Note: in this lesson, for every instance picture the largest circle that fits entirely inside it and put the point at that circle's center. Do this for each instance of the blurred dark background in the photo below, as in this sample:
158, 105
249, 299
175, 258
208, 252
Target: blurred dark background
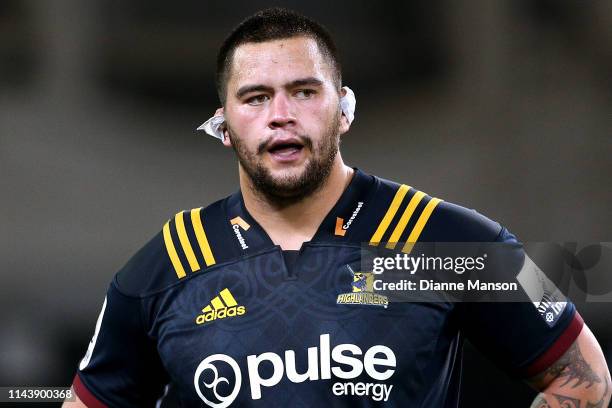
502, 106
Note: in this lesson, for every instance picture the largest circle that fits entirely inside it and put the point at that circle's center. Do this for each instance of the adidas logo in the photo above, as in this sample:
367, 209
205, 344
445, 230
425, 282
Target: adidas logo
222, 306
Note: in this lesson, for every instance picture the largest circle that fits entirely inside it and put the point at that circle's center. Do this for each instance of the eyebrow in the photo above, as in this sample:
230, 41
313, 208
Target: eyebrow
312, 81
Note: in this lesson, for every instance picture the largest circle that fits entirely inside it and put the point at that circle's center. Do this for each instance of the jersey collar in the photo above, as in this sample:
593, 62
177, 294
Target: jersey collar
341, 224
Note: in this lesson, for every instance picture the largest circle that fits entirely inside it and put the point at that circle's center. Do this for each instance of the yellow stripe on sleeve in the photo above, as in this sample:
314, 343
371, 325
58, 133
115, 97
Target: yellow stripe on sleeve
182, 233
201, 237
418, 228
178, 268
401, 225
384, 224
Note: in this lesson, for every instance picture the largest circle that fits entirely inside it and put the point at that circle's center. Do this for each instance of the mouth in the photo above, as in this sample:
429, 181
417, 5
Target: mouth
285, 149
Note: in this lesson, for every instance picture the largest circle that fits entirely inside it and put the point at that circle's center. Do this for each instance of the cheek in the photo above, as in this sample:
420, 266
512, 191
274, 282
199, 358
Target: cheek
313, 114
243, 119
324, 118
243, 125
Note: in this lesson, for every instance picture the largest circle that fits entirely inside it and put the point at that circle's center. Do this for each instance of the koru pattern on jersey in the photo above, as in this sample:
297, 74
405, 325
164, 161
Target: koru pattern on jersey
215, 312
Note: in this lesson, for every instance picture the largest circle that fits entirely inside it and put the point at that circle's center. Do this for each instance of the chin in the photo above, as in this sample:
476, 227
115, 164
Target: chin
288, 179
287, 171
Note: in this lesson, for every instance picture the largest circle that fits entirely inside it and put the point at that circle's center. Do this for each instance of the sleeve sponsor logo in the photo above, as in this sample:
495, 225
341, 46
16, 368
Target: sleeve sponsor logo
550, 308
546, 297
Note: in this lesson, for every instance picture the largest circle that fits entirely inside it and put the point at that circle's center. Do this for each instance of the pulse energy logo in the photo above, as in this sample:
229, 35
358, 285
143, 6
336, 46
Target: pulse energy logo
218, 377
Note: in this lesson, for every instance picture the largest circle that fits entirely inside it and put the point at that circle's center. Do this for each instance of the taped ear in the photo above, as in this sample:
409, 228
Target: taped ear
215, 126
348, 103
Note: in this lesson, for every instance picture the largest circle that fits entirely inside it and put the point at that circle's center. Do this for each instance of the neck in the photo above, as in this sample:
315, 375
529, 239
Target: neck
291, 225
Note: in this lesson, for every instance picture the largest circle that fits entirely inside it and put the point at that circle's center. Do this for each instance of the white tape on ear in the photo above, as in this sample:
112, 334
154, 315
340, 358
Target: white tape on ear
348, 103
214, 125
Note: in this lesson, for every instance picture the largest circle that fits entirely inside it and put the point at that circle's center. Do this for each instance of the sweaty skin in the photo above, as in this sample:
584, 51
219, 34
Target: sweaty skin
579, 379
284, 90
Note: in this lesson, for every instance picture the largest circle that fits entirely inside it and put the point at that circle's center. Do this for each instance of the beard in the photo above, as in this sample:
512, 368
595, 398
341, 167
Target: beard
288, 189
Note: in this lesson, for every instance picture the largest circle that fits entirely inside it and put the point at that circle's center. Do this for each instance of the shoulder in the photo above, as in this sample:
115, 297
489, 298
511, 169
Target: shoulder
452, 222
408, 214
183, 246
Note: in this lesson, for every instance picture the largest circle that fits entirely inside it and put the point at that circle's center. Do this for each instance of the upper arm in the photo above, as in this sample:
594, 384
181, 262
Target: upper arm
517, 337
527, 336
581, 374
121, 366
76, 403
582, 364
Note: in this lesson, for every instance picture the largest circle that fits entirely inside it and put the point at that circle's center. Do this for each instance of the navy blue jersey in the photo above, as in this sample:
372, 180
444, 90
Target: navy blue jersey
213, 310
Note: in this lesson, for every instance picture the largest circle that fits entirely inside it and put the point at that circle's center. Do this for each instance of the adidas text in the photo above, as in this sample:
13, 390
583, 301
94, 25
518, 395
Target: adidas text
221, 314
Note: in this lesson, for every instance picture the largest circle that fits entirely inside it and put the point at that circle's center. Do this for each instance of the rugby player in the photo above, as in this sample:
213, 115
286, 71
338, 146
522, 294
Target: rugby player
236, 303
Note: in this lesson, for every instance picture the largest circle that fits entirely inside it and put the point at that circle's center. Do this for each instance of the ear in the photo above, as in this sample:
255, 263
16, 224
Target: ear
344, 123
226, 140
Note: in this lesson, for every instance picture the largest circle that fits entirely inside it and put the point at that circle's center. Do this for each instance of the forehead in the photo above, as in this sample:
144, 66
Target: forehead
277, 61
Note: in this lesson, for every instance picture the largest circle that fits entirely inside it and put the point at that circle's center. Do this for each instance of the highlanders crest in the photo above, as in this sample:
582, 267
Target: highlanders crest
362, 291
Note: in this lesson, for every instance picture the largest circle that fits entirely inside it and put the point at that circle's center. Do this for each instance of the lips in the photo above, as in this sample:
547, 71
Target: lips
285, 149
285, 145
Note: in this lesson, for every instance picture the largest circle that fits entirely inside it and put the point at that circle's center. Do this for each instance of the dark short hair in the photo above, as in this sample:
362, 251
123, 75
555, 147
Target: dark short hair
274, 24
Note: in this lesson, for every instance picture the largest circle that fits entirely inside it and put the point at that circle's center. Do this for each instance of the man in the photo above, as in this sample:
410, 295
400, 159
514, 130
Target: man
238, 303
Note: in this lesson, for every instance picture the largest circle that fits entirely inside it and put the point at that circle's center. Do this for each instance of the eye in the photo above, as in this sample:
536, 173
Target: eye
305, 93
257, 100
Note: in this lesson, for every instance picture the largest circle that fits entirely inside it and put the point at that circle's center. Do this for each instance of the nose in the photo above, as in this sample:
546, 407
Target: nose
281, 112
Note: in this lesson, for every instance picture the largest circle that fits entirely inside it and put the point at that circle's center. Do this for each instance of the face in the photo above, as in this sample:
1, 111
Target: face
283, 116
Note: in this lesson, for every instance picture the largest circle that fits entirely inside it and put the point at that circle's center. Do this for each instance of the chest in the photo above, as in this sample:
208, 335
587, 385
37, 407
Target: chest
303, 324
